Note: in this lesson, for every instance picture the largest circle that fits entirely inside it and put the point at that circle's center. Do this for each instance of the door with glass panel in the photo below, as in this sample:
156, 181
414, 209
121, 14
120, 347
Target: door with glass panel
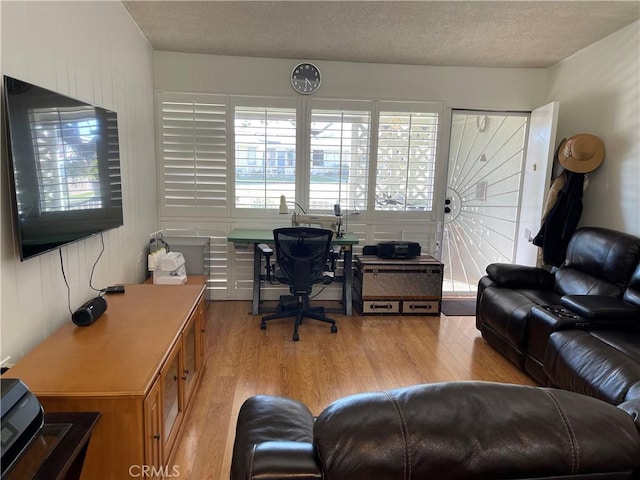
484, 191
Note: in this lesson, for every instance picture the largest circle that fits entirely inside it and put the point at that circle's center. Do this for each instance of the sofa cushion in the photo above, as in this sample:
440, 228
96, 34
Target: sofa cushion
572, 281
602, 364
470, 430
604, 254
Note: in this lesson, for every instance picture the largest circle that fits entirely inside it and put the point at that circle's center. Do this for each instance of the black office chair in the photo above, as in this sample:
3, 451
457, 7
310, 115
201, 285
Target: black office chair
302, 253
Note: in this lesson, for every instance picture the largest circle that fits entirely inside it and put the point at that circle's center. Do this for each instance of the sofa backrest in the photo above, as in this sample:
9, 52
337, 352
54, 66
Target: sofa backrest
469, 430
599, 261
632, 293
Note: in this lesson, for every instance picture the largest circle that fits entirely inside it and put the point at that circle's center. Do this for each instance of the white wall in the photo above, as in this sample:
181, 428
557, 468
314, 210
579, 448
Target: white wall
458, 87
599, 92
94, 52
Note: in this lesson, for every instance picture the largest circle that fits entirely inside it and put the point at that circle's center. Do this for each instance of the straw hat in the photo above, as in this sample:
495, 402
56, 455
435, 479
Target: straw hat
581, 153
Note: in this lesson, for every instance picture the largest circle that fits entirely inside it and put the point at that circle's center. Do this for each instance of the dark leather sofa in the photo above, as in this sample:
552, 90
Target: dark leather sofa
536, 318
455, 430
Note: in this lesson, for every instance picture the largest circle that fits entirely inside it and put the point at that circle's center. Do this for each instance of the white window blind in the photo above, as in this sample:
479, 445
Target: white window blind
406, 162
194, 150
265, 156
339, 143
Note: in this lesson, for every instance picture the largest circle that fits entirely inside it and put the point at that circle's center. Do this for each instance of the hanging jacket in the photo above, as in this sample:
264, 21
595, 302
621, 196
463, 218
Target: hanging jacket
561, 221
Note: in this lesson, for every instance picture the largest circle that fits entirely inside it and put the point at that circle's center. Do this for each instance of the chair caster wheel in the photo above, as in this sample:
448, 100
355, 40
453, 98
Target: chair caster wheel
334, 329
263, 325
296, 337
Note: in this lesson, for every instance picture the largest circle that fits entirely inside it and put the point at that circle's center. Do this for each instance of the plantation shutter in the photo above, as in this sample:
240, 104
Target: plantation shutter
265, 156
339, 144
406, 162
193, 132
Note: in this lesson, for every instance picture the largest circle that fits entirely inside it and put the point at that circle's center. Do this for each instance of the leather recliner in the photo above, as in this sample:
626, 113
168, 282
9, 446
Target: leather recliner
598, 262
455, 430
602, 361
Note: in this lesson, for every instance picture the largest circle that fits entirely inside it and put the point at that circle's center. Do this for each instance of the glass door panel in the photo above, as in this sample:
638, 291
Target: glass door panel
484, 184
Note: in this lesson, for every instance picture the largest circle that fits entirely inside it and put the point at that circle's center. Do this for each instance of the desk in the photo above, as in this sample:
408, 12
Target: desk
59, 449
256, 237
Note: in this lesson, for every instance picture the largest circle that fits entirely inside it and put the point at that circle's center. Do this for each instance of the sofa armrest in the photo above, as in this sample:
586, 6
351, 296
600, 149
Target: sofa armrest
602, 308
519, 276
283, 460
266, 419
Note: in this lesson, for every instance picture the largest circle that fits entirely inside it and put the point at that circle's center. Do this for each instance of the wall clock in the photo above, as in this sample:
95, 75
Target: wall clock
305, 78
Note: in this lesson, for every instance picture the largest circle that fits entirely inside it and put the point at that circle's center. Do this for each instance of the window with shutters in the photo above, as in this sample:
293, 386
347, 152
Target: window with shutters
339, 144
406, 160
265, 156
193, 132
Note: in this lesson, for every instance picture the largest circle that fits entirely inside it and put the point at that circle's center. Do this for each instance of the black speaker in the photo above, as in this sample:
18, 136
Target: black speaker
396, 249
89, 312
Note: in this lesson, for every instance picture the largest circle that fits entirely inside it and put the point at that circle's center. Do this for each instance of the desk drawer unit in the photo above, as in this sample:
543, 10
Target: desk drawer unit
397, 287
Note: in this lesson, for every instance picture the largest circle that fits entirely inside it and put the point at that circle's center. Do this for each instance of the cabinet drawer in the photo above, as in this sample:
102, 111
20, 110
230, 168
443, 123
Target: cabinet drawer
421, 307
379, 306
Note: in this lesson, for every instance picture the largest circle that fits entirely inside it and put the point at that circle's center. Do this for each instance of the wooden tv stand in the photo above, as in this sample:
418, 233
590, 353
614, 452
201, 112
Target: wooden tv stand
139, 365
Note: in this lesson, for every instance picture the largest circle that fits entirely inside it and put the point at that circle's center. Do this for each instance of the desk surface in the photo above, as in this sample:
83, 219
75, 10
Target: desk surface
59, 445
257, 236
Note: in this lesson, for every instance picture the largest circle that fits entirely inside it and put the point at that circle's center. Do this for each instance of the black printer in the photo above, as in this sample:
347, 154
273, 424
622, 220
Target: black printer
22, 419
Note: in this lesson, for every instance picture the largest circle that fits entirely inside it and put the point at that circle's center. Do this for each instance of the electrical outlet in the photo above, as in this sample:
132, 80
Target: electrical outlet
527, 234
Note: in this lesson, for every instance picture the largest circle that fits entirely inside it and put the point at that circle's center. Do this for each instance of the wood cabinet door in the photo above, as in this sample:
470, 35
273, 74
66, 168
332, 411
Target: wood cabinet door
172, 398
153, 420
190, 351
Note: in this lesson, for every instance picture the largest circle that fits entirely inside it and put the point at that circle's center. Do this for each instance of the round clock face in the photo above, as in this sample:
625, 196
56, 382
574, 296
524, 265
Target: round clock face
305, 78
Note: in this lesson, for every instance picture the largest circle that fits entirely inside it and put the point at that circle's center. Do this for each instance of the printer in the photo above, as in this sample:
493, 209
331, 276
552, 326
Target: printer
22, 419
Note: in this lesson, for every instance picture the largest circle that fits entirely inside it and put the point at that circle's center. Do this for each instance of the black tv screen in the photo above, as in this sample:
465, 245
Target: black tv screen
64, 164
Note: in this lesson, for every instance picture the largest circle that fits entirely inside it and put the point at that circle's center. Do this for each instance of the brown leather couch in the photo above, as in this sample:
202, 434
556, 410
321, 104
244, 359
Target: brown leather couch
519, 308
455, 430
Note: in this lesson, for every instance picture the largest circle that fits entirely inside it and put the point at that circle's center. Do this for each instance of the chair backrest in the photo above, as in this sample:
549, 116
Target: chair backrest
301, 254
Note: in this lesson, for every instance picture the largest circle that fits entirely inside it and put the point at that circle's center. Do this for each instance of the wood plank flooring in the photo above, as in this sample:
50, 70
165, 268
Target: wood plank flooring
367, 354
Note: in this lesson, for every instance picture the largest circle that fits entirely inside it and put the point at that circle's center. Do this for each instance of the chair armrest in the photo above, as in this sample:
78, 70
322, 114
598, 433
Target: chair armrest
283, 460
602, 308
519, 276
267, 252
265, 249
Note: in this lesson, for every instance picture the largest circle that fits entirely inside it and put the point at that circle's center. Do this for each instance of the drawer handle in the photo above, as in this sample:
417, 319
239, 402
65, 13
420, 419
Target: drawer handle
156, 436
417, 307
175, 378
388, 306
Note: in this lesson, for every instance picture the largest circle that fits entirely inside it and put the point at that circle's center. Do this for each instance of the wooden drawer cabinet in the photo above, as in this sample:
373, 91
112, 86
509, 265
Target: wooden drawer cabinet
139, 365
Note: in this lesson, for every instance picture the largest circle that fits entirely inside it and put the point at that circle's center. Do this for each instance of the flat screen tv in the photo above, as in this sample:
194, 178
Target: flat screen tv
64, 165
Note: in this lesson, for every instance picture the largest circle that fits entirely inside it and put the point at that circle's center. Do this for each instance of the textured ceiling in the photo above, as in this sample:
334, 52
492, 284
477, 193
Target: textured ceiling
456, 33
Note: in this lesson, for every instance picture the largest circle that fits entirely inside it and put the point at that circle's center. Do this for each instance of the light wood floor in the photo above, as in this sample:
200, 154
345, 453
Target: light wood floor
367, 354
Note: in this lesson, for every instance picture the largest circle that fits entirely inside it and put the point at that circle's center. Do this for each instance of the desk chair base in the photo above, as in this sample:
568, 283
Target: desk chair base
301, 310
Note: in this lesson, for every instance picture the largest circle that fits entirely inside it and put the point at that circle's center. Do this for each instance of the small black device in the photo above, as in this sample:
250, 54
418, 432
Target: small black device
114, 289
89, 312
399, 249
22, 419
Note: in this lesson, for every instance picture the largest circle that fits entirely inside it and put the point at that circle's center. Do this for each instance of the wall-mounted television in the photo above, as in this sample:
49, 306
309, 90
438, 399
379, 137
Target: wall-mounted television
64, 165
